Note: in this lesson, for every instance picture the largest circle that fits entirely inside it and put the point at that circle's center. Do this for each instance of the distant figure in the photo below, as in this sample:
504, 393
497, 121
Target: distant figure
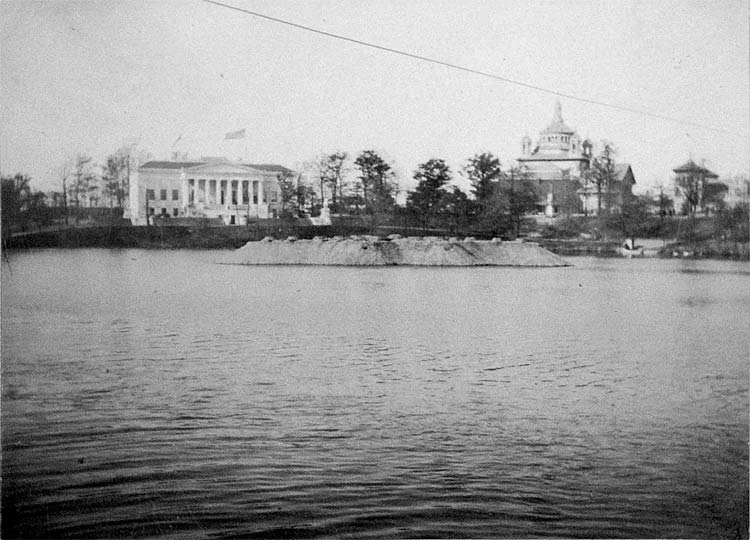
629, 249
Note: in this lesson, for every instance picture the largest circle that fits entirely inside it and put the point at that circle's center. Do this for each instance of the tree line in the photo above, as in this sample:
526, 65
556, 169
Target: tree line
363, 186
83, 185
498, 199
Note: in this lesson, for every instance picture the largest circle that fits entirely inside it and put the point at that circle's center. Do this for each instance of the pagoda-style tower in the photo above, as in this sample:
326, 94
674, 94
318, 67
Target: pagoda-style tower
691, 181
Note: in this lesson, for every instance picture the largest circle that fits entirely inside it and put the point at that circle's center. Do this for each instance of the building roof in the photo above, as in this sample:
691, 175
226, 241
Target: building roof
170, 164
267, 167
558, 125
621, 171
690, 167
558, 142
558, 156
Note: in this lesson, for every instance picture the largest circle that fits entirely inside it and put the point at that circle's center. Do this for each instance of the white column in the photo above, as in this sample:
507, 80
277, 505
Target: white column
184, 194
134, 197
264, 208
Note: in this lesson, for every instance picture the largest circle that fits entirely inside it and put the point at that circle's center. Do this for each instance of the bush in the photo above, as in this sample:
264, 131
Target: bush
733, 223
570, 227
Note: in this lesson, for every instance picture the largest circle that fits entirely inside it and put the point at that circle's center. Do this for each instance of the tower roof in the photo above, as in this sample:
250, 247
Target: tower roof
691, 167
558, 125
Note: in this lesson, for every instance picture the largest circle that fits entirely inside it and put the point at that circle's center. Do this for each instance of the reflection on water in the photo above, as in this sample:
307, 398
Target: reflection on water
155, 394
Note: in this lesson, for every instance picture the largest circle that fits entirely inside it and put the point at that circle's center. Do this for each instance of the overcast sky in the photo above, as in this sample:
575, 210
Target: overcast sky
88, 77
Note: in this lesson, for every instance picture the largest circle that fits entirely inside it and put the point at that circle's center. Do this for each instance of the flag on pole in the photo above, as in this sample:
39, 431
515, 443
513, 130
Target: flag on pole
235, 135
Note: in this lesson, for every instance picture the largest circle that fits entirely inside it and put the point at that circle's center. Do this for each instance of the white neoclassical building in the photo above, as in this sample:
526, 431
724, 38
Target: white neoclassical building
234, 192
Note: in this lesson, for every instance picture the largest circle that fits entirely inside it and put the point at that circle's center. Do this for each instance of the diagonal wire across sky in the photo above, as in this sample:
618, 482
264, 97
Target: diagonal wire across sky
465, 69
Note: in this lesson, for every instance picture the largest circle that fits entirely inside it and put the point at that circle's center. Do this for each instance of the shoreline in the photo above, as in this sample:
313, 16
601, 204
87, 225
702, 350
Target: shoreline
232, 238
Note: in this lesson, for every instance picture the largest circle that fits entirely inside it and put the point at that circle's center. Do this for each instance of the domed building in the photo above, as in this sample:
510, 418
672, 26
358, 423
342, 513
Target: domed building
558, 165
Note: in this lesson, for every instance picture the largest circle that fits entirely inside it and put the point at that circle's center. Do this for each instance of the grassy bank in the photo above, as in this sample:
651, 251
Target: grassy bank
222, 237
182, 237
708, 249
135, 237
580, 247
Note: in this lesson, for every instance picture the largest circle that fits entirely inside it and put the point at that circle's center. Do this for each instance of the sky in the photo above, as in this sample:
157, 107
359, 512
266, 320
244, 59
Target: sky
87, 77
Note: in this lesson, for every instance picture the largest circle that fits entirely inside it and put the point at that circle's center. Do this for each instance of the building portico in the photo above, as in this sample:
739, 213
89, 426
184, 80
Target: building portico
233, 192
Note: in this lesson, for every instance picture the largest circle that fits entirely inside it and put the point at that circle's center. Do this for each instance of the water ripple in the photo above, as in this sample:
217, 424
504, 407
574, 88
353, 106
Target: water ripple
439, 404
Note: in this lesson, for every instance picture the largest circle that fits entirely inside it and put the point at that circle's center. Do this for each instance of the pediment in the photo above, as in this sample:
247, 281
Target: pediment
219, 168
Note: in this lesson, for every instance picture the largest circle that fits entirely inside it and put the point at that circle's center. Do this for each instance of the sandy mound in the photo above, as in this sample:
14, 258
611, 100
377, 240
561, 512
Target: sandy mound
373, 251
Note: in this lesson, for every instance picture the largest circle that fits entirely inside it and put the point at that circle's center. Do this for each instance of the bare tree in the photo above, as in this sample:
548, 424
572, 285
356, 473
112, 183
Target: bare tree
64, 175
82, 185
691, 186
287, 191
114, 178
602, 174
132, 156
331, 171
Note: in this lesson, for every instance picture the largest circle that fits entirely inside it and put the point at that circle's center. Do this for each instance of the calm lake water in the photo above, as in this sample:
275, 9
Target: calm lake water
157, 394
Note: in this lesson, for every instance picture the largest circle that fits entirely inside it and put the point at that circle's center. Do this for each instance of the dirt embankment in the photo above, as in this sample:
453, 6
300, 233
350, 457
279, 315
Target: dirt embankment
373, 251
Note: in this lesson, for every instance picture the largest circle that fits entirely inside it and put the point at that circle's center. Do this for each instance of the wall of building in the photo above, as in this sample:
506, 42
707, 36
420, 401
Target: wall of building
235, 198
